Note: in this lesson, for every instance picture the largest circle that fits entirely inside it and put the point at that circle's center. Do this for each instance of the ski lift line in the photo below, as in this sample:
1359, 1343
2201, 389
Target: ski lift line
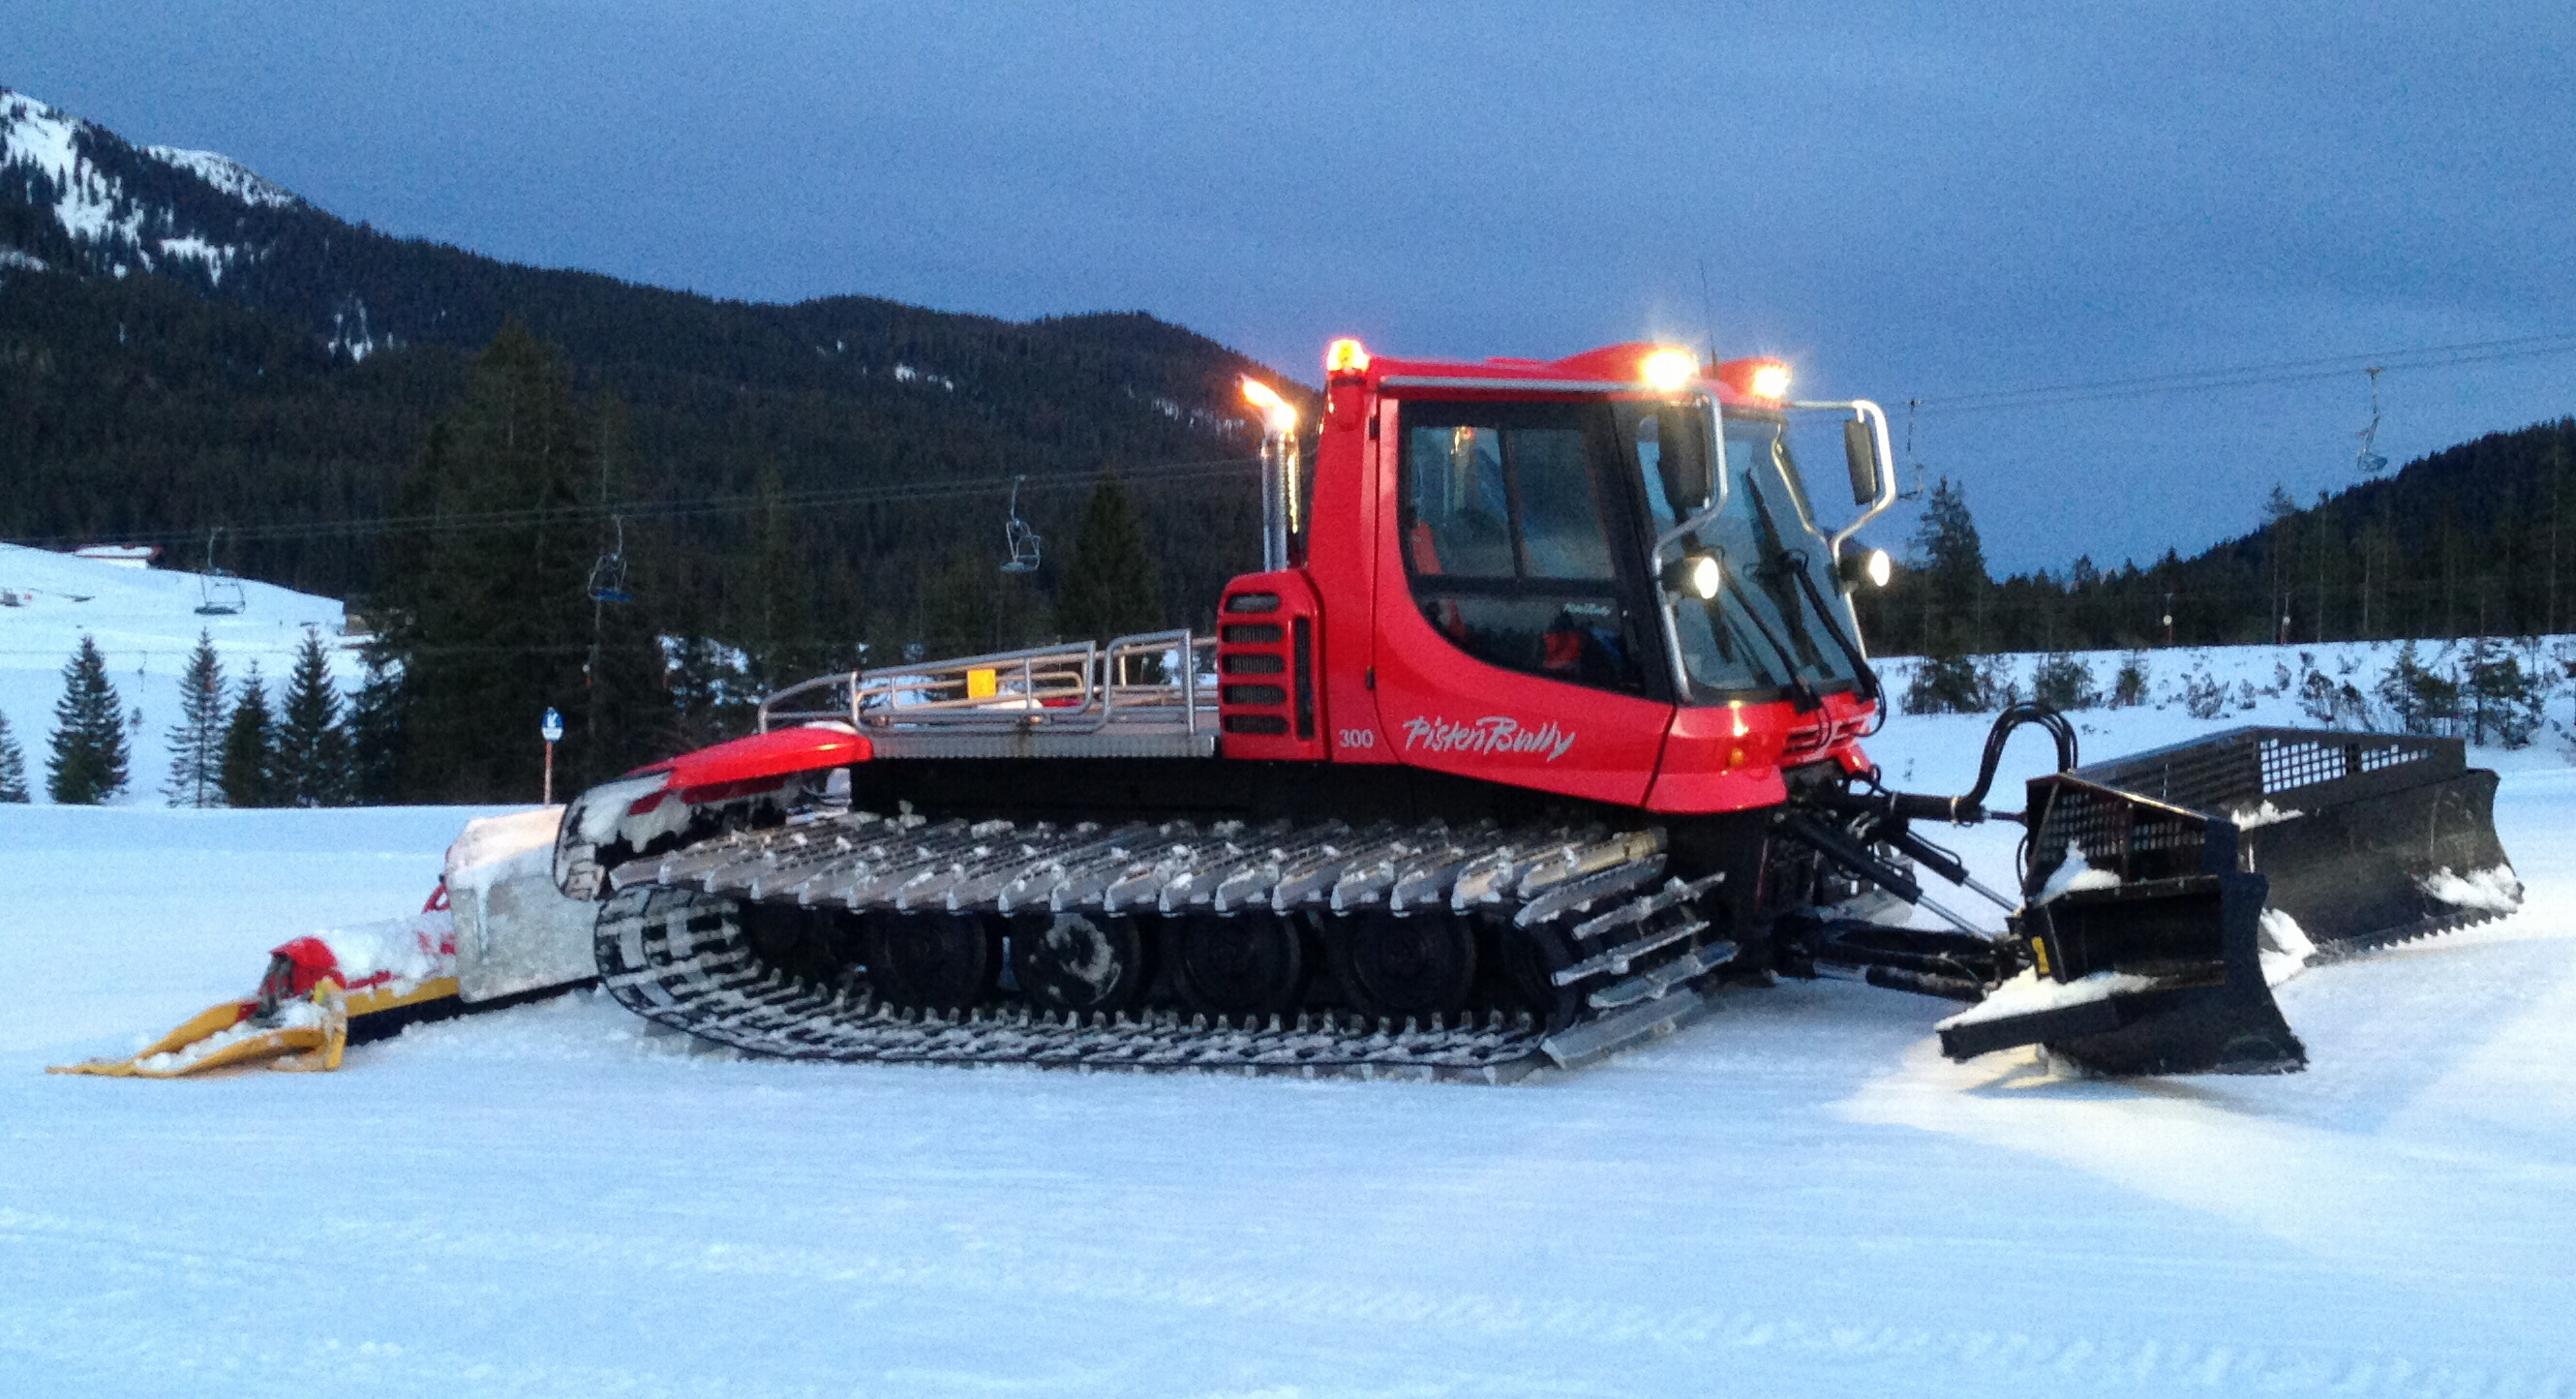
2247, 376
1178, 473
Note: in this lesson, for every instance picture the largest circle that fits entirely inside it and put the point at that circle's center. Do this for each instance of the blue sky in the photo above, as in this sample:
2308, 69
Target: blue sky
1906, 202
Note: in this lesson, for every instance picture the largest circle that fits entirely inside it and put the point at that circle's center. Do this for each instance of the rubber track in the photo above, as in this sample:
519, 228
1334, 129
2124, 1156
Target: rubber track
671, 947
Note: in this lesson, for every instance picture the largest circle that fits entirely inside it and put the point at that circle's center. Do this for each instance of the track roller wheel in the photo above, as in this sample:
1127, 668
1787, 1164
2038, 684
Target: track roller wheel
1423, 964
1530, 959
813, 943
940, 961
1250, 964
1079, 961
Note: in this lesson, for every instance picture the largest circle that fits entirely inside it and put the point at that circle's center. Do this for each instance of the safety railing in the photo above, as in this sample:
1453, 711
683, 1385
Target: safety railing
1161, 682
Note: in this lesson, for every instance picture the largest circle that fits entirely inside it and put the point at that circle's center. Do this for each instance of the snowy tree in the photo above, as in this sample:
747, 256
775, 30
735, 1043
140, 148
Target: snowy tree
197, 740
88, 762
13, 765
310, 766
250, 749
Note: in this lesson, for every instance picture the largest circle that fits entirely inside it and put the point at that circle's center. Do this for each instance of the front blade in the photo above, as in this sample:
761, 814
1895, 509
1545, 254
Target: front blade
2368, 839
2164, 977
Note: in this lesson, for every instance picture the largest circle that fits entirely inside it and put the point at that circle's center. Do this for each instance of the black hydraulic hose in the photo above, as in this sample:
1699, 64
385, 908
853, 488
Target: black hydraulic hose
1970, 807
2013, 717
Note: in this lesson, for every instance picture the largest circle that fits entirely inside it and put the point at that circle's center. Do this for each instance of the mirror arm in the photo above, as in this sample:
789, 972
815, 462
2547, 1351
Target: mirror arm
1876, 417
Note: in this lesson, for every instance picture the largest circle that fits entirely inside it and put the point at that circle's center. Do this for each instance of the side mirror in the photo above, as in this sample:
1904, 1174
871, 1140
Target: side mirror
1860, 449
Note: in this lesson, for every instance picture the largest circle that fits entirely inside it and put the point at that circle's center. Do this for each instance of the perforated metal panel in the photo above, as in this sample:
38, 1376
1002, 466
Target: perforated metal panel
2238, 770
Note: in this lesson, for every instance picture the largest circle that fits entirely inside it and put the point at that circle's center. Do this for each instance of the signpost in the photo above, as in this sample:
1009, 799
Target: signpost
552, 727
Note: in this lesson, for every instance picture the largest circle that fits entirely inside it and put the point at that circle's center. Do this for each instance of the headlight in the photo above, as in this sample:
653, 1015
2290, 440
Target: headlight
1694, 575
1669, 370
1874, 567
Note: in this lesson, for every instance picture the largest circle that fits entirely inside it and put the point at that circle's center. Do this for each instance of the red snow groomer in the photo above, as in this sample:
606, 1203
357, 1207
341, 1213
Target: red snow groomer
1539, 727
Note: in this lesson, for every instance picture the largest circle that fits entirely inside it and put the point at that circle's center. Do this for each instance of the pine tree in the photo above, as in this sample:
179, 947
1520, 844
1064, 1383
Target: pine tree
488, 628
1950, 570
13, 766
375, 733
1109, 590
197, 740
312, 753
88, 762
250, 748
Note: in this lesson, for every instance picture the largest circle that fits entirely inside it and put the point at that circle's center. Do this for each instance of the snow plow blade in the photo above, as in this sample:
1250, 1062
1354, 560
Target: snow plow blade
2148, 956
2367, 839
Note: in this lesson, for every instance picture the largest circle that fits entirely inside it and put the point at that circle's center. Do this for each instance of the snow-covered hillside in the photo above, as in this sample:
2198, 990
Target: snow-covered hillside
129, 208
145, 623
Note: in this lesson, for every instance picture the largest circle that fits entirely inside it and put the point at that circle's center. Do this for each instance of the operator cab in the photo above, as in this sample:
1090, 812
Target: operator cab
1600, 575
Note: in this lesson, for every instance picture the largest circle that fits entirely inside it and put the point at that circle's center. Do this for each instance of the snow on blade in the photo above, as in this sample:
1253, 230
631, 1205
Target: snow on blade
2074, 877
2285, 947
2264, 815
2030, 992
291, 1015
2494, 890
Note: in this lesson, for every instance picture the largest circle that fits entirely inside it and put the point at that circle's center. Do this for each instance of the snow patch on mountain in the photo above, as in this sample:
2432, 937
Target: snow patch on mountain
95, 207
228, 175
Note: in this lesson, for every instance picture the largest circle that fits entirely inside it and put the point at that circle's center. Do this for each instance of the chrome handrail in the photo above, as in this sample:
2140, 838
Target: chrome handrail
1071, 687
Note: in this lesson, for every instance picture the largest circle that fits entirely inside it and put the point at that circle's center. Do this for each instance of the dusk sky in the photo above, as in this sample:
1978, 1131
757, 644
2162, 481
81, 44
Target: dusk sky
1926, 203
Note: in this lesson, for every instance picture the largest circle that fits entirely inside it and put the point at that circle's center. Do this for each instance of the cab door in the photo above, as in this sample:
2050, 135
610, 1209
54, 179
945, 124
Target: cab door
1516, 637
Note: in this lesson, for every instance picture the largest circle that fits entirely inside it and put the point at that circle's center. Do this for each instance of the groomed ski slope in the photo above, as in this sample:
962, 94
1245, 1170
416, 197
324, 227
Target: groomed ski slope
145, 623
1796, 1197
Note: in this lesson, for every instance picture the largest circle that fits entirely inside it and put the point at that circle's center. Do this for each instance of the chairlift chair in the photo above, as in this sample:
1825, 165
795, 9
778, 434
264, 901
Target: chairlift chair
219, 593
1022, 540
2368, 460
608, 575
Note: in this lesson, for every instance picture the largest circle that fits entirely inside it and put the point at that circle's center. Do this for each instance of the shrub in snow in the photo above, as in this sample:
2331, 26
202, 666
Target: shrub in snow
2419, 698
2063, 682
1946, 685
13, 766
2203, 695
2129, 689
88, 762
2504, 703
2245, 696
2281, 681
2332, 703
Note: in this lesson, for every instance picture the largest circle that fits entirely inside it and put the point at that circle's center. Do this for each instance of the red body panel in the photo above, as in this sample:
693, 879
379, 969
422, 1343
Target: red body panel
1269, 640
744, 765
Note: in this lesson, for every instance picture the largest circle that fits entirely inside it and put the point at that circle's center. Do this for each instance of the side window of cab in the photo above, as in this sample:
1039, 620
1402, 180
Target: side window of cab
1507, 538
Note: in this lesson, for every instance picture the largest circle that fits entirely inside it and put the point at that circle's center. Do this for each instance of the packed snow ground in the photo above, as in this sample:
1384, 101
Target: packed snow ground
1796, 1197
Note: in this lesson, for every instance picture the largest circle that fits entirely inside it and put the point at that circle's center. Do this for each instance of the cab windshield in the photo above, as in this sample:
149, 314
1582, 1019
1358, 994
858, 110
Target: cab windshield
1779, 619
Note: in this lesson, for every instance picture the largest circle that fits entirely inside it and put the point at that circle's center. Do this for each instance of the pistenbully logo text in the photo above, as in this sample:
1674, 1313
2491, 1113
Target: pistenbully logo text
1495, 733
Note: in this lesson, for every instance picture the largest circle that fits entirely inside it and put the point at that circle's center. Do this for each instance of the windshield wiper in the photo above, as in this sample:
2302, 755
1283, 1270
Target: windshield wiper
1795, 560
1803, 693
